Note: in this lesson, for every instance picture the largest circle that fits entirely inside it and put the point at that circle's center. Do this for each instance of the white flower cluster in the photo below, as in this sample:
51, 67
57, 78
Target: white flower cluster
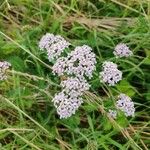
69, 100
66, 104
77, 64
80, 62
54, 45
122, 50
4, 65
112, 113
110, 73
126, 105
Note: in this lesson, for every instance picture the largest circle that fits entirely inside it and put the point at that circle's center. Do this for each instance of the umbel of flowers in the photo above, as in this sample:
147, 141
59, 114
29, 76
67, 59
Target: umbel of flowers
4, 65
122, 50
78, 65
124, 104
110, 73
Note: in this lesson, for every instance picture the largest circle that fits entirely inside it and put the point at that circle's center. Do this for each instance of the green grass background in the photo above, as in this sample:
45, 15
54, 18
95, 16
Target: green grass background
28, 119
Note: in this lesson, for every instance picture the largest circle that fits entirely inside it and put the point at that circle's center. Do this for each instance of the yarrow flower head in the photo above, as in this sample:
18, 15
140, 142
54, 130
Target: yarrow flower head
110, 73
81, 62
75, 84
112, 113
66, 104
78, 65
54, 45
126, 105
122, 50
69, 100
4, 65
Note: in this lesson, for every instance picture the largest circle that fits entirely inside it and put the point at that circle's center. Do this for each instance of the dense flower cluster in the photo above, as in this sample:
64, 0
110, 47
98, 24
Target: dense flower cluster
54, 45
126, 105
78, 65
4, 65
66, 104
69, 100
112, 113
122, 50
110, 73
80, 62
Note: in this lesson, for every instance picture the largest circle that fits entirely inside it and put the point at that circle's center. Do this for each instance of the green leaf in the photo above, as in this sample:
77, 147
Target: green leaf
89, 108
9, 48
122, 119
125, 87
146, 61
106, 123
17, 63
72, 122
